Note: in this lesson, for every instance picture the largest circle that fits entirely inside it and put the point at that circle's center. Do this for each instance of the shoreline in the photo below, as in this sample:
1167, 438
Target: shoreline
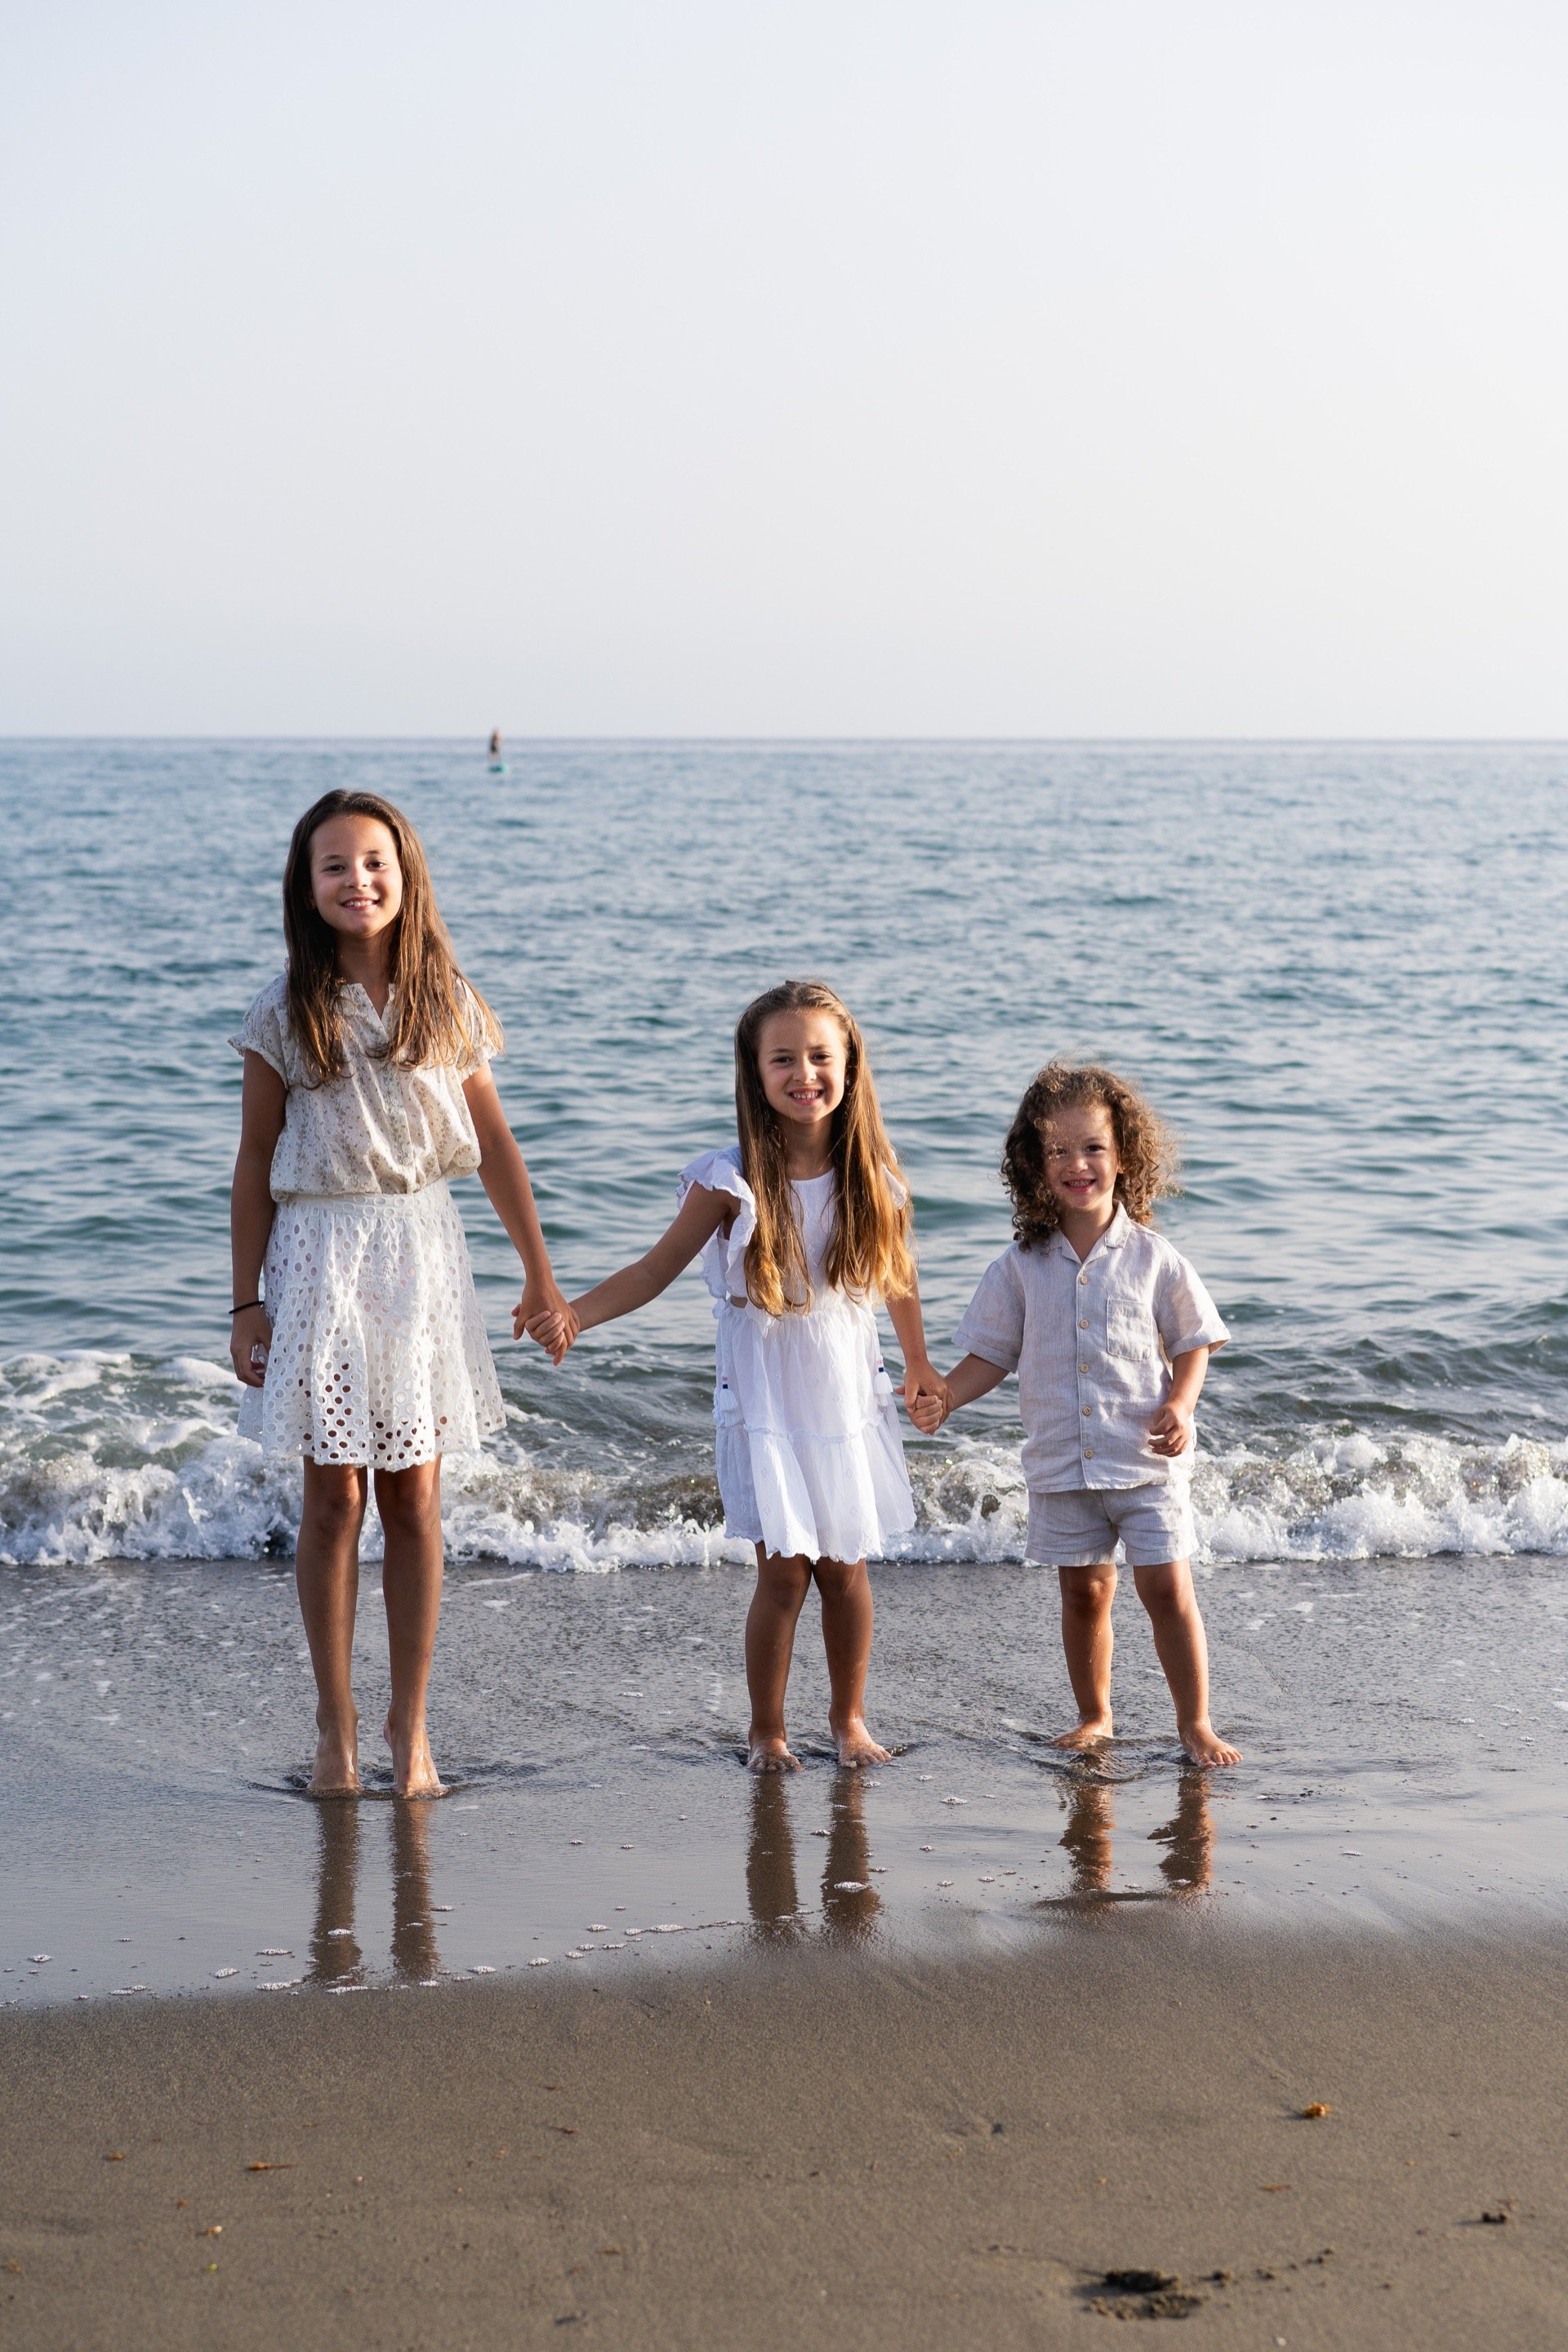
1403, 1742
903, 2152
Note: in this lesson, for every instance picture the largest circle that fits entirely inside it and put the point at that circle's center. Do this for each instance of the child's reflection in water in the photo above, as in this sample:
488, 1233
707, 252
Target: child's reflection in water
851, 1904
1186, 1866
771, 1887
1189, 1833
336, 1953
414, 1952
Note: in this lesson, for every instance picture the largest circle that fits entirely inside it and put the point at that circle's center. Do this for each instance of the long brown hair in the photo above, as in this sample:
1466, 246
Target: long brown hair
1144, 1145
870, 1255
437, 1014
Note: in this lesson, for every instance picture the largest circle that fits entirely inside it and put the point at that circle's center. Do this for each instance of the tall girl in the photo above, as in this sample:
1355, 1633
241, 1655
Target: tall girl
355, 1328
801, 1226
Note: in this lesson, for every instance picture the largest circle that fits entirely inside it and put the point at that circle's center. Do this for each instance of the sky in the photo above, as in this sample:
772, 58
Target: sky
728, 367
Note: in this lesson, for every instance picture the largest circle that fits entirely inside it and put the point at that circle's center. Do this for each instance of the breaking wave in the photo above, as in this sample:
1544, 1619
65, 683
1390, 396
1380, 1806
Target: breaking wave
109, 1457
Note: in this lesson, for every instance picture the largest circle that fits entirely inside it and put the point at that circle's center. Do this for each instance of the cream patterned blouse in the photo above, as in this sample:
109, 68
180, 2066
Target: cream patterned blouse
379, 1127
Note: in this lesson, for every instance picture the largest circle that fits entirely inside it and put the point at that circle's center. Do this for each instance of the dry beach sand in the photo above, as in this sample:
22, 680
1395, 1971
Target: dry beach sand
880, 2153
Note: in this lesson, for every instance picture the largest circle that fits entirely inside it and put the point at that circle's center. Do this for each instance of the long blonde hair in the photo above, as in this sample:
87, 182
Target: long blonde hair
870, 1255
437, 1014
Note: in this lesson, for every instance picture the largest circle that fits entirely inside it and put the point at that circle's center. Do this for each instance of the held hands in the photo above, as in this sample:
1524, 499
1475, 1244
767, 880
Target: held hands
247, 1332
927, 1399
1171, 1431
544, 1313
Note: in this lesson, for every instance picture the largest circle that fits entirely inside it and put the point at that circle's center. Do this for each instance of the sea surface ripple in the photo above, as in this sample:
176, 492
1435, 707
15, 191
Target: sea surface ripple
1338, 969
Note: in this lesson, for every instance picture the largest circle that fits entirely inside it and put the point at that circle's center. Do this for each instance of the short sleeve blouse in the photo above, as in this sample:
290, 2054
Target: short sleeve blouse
377, 1127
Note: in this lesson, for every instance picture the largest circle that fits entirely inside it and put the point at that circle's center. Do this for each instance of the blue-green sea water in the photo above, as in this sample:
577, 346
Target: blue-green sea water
1338, 969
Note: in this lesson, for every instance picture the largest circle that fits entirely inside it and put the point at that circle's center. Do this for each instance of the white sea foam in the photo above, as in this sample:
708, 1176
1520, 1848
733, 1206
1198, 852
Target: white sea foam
111, 1457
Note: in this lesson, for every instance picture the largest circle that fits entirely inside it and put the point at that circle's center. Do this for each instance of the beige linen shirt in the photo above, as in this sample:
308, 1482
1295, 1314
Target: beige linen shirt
379, 1127
1092, 1345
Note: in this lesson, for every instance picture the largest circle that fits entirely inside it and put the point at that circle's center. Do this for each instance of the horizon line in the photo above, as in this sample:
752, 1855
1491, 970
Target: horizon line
480, 735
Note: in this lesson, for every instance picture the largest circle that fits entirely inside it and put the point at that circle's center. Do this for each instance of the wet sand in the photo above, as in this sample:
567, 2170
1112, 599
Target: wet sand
815, 2143
1405, 1730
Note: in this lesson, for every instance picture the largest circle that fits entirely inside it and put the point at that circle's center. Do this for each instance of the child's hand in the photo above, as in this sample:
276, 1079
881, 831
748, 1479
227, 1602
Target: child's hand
927, 1399
249, 1340
543, 1312
1170, 1431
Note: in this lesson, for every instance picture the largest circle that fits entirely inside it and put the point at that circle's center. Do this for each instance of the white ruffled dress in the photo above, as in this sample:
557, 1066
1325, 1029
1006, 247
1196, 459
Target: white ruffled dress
379, 1355
810, 1458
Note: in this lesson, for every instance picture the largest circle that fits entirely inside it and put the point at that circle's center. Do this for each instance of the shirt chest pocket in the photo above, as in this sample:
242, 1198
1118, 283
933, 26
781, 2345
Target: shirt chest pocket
1129, 1330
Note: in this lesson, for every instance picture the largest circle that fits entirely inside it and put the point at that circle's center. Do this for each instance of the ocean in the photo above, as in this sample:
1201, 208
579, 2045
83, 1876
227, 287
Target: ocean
1337, 968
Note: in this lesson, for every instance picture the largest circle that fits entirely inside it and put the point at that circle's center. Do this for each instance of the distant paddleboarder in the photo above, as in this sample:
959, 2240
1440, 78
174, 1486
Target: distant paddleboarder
498, 765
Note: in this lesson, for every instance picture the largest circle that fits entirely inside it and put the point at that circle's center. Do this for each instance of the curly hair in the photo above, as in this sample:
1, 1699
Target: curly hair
1144, 1145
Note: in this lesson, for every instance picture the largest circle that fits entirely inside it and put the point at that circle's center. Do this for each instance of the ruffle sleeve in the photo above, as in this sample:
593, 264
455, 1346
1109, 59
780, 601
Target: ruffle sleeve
723, 1257
265, 1028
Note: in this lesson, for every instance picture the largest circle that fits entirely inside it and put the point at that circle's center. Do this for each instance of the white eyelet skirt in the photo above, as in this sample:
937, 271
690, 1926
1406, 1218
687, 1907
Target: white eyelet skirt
379, 1355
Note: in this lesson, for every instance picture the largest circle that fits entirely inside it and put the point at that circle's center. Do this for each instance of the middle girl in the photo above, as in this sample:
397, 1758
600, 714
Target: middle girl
801, 1227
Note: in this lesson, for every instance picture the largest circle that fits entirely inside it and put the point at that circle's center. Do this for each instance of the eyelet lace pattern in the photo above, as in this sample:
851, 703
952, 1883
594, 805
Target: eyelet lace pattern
379, 1355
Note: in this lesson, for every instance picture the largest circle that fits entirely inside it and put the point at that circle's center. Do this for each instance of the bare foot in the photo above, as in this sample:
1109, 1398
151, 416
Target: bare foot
335, 1773
768, 1751
1086, 1731
1204, 1746
414, 1772
856, 1745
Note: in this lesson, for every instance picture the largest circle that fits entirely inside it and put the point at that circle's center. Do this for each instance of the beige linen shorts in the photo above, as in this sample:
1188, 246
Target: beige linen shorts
1081, 1529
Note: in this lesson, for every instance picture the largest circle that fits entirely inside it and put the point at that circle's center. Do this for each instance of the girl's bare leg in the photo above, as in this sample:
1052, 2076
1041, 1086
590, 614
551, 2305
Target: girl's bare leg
326, 1575
1180, 1644
409, 1502
782, 1587
846, 1613
1087, 1639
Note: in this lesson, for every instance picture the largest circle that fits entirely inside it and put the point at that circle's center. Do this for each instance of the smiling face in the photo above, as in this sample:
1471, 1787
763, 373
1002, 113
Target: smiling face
356, 882
802, 1059
1082, 1165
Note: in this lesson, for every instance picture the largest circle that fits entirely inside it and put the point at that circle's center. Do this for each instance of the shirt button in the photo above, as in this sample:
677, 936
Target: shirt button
1088, 1453
1087, 1411
1083, 1322
1083, 1368
1083, 1277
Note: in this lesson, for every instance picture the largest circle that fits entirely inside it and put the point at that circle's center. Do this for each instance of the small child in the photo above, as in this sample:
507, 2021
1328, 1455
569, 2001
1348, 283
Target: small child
801, 1226
1109, 1331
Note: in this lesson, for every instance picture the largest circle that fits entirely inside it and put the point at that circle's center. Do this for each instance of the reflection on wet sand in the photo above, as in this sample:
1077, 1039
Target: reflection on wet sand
851, 1904
1186, 1866
336, 1957
414, 1952
770, 1888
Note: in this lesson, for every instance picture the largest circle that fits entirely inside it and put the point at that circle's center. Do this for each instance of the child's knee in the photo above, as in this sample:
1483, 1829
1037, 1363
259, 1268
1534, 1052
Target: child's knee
1088, 1591
782, 1580
335, 1502
1165, 1591
408, 1501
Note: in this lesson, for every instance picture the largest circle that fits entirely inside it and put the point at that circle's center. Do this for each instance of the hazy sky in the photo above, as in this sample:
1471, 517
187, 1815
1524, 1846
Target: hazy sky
997, 367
